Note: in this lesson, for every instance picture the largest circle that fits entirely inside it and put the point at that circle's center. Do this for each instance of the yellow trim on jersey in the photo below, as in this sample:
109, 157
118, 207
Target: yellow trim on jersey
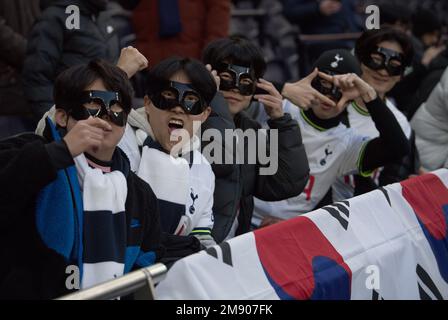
361, 172
360, 110
307, 120
201, 231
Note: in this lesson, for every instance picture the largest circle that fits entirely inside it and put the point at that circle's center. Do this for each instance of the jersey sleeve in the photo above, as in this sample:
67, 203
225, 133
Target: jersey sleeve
352, 159
203, 229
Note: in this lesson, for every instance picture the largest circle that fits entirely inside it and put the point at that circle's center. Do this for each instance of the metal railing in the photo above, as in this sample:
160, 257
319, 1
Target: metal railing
329, 37
140, 282
248, 13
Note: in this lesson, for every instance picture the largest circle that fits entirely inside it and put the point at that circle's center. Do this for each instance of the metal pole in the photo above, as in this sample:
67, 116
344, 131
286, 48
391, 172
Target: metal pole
248, 13
122, 286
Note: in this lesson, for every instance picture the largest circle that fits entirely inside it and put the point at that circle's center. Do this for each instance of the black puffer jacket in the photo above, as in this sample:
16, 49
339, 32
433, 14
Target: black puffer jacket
291, 176
52, 47
227, 176
16, 20
29, 269
236, 185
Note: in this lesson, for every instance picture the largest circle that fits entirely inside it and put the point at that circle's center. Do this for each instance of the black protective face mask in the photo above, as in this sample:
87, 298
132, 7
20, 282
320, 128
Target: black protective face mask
237, 74
387, 59
327, 88
174, 94
101, 103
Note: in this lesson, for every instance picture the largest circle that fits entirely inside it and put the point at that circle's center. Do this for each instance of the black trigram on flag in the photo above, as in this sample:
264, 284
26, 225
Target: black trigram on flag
340, 211
386, 194
226, 253
426, 286
376, 295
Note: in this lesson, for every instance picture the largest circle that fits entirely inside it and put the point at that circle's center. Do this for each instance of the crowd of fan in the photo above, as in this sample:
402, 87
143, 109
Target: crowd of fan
96, 170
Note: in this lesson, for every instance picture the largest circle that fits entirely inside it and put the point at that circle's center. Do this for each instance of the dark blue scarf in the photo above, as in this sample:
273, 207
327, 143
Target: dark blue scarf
169, 18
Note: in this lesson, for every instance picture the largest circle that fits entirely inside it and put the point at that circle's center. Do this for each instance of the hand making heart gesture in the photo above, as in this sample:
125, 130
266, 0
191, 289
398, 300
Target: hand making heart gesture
352, 87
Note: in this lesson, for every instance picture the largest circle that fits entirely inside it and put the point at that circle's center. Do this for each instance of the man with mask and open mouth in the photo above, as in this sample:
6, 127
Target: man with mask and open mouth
164, 148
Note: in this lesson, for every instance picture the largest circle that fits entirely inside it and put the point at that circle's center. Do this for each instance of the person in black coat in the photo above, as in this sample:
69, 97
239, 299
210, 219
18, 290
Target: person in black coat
316, 17
240, 66
53, 46
34, 264
16, 20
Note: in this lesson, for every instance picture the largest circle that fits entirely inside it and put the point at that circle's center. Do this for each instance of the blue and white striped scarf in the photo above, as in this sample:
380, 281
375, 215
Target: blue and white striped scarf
81, 216
104, 230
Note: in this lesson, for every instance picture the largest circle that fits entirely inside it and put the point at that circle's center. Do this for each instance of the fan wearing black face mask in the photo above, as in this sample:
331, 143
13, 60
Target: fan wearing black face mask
69, 197
164, 150
384, 55
332, 148
240, 66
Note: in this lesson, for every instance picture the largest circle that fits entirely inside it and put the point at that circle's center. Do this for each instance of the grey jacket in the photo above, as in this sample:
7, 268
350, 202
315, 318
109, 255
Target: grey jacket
431, 127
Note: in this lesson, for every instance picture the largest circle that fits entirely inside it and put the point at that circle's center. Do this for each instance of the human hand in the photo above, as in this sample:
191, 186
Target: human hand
303, 95
132, 61
273, 101
352, 87
86, 135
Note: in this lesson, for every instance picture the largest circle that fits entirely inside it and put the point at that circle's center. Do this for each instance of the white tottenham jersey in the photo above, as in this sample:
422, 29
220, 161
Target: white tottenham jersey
362, 123
331, 154
196, 193
199, 208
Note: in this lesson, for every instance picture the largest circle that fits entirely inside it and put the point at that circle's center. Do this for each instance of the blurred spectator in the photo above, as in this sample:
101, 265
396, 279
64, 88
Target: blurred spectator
265, 25
396, 15
16, 19
171, 27
121, 21
426, 34
433, 75
426, 27
323, 17
53, 47
430, 125
427, 31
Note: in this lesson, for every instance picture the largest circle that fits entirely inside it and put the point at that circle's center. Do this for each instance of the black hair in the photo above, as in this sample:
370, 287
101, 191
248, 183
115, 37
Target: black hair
235, 50
201, 79
367, 42
425, 21
72, 82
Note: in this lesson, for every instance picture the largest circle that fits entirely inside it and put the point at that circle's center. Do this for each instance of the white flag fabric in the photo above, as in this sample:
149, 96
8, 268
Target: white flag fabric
389, 244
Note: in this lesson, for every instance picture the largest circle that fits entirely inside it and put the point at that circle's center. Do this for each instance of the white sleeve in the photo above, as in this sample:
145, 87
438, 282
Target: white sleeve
355, 147
203, 229
128, 144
